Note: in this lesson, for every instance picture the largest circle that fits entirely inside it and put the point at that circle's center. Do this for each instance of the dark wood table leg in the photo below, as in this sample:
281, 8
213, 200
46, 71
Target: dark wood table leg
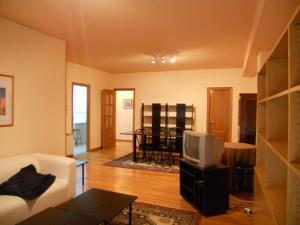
144, 147
82, 167
134, 147
129, 214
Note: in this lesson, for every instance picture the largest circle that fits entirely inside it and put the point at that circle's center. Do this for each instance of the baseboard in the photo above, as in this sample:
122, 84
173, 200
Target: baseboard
97, 148
124, 140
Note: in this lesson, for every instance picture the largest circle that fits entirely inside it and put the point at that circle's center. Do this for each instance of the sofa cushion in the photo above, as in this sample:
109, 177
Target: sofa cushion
27, 183
14, 209
11, 165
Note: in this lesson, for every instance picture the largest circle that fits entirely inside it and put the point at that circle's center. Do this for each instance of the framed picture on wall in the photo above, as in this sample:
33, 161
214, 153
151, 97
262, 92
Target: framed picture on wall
127, 103
6, 100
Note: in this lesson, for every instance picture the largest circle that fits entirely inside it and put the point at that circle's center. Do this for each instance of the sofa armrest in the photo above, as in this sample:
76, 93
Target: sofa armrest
60, 166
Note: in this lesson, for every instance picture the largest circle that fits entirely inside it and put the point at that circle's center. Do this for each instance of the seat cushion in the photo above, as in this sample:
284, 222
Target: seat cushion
11, 165
15, 209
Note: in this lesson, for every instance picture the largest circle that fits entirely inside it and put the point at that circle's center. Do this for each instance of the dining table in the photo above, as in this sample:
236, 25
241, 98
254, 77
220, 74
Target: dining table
134, 134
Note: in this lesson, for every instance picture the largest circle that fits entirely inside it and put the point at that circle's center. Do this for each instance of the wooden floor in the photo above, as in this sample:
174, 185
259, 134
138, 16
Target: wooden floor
152, 187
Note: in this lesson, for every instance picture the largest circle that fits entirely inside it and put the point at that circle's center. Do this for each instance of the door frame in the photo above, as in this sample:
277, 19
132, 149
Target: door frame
229, 117
88, 113
133, 103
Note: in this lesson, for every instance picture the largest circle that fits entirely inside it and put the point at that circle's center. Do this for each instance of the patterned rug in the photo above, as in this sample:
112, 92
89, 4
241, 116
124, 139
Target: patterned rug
144, 164
146, 214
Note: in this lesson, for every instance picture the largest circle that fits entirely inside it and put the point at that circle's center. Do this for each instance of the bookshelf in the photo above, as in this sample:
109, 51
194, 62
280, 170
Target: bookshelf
277, 172
179, 116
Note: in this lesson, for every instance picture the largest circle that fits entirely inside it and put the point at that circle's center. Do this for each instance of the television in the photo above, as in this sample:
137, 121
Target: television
202, 149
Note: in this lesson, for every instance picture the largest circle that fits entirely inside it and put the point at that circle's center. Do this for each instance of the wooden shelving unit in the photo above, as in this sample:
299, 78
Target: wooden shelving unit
277, 172
179, 116
168, 116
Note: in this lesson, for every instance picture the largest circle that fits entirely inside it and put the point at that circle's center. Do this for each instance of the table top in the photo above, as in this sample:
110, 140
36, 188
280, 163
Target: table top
236, 145
100, 204
80, 162
54, 216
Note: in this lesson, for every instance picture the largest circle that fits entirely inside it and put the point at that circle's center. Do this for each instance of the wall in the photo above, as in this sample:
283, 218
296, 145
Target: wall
124, 117
188, 87
37, 62
97, 80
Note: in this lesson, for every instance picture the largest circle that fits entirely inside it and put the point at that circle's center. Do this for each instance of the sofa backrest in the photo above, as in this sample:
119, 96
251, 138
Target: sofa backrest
11, 165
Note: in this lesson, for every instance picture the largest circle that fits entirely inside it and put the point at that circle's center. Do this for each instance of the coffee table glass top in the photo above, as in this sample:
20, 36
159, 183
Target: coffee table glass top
100, 204
54, 216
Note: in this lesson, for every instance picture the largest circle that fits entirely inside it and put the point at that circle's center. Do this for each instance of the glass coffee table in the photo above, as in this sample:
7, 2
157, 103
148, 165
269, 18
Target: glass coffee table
100, 204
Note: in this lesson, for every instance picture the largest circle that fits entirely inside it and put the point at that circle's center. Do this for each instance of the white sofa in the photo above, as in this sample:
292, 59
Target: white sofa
15, 209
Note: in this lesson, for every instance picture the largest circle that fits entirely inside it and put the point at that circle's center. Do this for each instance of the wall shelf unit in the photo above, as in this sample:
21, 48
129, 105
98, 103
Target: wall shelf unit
179, 116
277, 172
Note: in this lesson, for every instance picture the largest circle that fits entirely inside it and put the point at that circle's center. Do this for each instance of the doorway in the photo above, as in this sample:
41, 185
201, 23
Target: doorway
80, 117
219, 112
247, 118
124, 113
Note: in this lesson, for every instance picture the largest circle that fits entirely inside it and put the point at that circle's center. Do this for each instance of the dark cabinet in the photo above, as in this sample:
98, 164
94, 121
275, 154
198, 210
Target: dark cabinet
205, 188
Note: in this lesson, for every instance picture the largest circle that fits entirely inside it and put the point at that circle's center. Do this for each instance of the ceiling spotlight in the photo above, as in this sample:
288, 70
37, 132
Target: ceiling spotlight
153, 60
173, 59
163, 59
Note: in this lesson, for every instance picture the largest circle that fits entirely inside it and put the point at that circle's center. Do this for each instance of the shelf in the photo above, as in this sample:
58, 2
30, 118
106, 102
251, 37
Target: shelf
294, 151
295, 89
278, 95
262, 101
281, 49
278, 203
260, 172
277, 119
262, 136
279, 147
293, 208
296, 168
262, 210
172, 108
278, 131
277, 76
295, 53
261, 83
261, 120
276, 185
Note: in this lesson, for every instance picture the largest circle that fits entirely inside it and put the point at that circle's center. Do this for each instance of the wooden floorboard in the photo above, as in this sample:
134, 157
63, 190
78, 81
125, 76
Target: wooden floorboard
152, 187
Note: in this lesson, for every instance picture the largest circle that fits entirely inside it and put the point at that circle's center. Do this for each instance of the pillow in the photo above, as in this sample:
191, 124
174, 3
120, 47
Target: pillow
27, 183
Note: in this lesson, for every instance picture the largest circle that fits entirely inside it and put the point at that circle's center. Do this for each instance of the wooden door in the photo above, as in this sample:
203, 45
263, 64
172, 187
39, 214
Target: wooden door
247, 118
108, 118
219, 112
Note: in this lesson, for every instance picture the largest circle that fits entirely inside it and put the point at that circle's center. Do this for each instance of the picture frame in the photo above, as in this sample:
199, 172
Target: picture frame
127, 103
6, 100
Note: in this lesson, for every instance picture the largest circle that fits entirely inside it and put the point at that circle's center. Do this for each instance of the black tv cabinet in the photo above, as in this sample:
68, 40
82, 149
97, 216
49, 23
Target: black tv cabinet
205, 188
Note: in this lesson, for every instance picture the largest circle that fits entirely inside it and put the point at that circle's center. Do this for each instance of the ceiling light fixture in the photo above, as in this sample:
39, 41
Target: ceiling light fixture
173, 59
163, 59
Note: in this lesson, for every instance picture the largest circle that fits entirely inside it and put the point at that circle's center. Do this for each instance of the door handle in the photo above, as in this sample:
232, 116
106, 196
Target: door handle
211, 121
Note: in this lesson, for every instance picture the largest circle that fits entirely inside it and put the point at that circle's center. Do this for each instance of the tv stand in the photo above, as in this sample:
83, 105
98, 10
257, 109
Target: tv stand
205, 188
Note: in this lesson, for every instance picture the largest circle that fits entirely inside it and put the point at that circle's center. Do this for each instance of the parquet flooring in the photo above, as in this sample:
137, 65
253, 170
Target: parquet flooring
152, 187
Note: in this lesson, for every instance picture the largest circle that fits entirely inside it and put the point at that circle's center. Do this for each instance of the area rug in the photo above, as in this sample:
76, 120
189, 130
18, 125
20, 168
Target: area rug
144, 164
147, 214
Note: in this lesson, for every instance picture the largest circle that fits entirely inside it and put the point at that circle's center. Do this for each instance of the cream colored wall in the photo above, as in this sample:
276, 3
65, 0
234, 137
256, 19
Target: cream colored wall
37, 62
97, 80
188, 87
124, 117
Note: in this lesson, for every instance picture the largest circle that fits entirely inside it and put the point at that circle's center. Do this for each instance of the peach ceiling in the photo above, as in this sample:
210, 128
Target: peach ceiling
121, 35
